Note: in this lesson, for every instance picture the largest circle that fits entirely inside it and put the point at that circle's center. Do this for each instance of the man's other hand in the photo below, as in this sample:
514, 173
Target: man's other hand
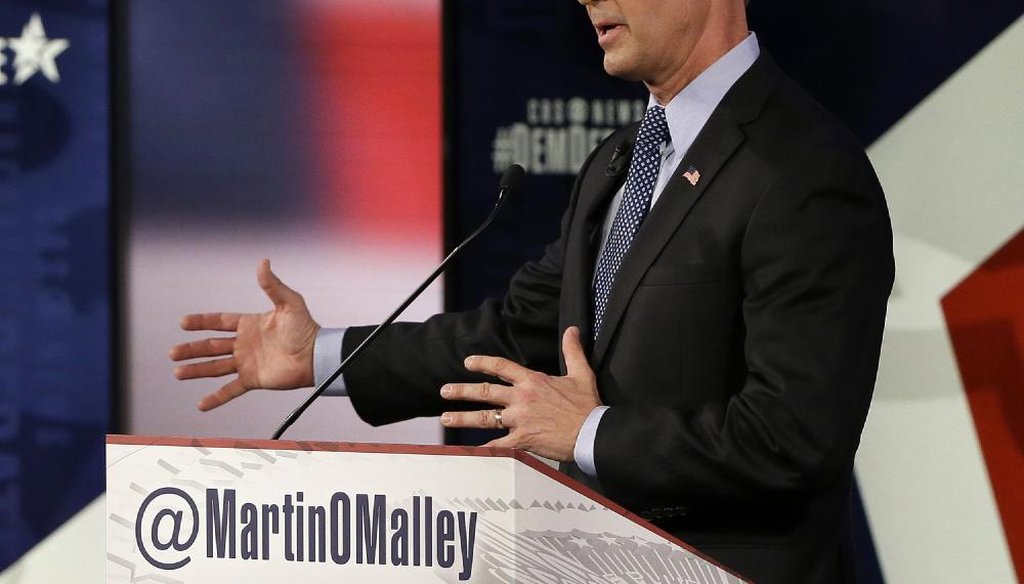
543, 413
272, 350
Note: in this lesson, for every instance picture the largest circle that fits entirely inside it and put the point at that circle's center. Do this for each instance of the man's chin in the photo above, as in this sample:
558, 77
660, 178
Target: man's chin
621, 68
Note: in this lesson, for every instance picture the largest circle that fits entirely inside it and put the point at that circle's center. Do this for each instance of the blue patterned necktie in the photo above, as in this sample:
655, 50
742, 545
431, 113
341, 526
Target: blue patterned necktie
636, 200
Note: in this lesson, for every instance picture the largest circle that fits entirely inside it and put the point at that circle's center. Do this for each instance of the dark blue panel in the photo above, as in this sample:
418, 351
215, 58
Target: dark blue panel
869, 571
55, 332
872, 62
501, 56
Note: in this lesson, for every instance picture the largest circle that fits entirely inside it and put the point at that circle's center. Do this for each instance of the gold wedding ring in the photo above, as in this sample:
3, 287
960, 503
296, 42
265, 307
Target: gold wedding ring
497, 420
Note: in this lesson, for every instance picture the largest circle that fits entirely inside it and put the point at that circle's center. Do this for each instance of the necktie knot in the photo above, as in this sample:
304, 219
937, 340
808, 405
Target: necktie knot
654, 128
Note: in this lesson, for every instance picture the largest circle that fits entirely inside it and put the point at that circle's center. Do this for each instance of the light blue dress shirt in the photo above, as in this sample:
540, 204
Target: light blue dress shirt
687, 114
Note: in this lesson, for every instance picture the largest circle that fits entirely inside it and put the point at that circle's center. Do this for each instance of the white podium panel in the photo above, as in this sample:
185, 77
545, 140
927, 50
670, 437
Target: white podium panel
197, 511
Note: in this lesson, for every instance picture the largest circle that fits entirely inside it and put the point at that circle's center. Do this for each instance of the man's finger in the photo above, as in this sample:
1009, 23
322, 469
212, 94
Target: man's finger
276, 290
479, 392
481, 419
506, 441
576, 363
203, 348
222, 396
214, 368
499, 367
211, 321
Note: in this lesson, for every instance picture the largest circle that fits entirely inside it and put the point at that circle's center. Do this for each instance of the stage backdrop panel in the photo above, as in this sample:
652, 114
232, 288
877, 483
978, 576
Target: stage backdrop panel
55, 243
277, 129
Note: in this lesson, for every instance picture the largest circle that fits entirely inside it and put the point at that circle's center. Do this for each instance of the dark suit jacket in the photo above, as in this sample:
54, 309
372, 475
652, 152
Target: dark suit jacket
740, 342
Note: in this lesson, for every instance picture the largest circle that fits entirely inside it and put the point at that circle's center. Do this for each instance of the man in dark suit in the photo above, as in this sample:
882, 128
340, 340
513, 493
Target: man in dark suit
719, 287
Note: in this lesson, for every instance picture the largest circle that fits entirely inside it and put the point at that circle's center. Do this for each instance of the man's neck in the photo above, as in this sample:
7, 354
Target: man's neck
712, 45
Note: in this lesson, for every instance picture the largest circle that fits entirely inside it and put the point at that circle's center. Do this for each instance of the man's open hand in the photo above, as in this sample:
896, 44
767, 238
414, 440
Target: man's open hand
543, 413
272, 350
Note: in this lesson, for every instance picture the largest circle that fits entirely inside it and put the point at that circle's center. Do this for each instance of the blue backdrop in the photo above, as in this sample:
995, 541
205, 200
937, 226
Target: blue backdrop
55, 250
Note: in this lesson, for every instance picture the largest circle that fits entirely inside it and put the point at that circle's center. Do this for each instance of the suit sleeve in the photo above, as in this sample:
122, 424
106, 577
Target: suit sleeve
817, 269
400, 375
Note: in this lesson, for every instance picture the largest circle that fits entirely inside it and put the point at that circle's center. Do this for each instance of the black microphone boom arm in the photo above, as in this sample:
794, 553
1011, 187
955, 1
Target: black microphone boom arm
510, 180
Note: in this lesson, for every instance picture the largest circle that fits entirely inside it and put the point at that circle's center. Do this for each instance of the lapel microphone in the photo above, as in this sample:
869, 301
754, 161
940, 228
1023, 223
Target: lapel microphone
510, 181
620, 158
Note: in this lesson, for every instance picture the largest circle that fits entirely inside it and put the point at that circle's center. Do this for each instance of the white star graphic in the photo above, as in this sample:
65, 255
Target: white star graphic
34, 52
581, 542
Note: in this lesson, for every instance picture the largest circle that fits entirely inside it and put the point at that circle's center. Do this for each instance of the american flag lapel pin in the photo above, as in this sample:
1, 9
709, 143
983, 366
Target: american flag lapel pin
692, 175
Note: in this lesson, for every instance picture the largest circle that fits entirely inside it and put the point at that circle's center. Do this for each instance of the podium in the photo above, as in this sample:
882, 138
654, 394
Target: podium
219, 510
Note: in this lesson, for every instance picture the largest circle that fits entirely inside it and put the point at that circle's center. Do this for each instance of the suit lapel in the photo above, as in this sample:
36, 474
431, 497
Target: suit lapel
717, 141
579, 263
715, 144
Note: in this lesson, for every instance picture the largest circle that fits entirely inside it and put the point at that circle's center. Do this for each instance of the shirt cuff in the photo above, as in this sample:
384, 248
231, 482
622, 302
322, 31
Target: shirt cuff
327, 357
583, 452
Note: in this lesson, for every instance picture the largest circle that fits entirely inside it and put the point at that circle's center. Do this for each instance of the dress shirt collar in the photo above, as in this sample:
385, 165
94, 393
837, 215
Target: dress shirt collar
691, 108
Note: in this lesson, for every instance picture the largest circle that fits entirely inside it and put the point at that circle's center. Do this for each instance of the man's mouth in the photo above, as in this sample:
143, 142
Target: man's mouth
607, 31
604, 28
